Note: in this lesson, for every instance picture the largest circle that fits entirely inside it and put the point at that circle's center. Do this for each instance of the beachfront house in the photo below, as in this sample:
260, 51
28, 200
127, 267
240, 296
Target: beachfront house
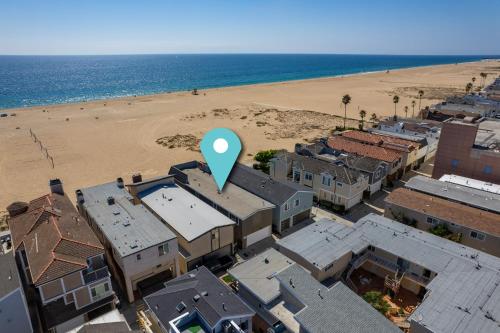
333, 183
197, 302
62, 260
293, 202
204, 235
253, 215
140, 249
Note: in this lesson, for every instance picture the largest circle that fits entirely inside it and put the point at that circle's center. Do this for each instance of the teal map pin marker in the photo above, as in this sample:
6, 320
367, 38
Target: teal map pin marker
220, 148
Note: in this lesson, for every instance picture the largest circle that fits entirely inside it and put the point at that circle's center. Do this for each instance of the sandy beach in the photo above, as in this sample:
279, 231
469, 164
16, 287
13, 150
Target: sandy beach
95, 142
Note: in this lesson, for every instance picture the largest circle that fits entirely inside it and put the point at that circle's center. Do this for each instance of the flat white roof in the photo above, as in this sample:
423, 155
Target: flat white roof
472, 183
182, 211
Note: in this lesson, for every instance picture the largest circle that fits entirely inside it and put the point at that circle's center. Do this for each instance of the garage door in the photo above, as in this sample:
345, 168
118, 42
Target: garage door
258, 235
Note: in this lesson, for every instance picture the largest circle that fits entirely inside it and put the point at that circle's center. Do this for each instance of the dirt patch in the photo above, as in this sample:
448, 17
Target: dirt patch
431, 93
187, 141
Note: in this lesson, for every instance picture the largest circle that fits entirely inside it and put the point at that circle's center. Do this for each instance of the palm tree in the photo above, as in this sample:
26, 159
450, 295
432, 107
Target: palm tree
413, 103
362, 115
373, 117
473, 80
406, 111
395, 100
346, 99
420, 94
468, 87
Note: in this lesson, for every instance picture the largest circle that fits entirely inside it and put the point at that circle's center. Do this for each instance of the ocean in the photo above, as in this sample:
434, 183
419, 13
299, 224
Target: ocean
42, 80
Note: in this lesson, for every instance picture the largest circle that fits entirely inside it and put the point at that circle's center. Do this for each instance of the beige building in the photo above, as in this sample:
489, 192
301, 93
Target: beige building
141, 250
61, 259
204, 235
470, 226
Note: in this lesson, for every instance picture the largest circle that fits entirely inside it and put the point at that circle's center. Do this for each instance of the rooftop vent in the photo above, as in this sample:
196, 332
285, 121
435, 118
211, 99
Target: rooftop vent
180, 307
196, 298
79, 196
111, 200
119, 182
136, 178
204, 293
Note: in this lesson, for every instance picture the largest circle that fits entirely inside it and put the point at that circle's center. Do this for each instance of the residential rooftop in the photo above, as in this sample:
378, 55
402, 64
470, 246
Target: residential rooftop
463, 297
472, 183
9, 276
337, 308
129, 228
457, 193
337, 168
232, 198
381, 140
198, 290
189, 216
446, 210
488, 135
258, 273
263, 186
380, 153
56, 239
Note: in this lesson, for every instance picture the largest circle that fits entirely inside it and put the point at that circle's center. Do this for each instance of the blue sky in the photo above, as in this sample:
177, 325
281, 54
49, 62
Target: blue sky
251, 26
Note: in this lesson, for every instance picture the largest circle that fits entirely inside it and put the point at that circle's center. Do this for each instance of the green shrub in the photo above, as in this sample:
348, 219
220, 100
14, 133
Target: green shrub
440, 230
376, 299
263, 157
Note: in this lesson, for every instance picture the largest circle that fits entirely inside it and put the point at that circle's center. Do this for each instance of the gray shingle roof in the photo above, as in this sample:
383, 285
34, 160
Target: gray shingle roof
9, 277
316, 166
260, 184
466, 195
130, 228
232, 198
463, 297
336, 310
218, 303
256, 274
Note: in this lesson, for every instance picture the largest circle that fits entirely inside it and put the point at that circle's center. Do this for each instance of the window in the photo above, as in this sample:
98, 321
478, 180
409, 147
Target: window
432, 220
427, 273
138, 256
297, 202
325, 180
454, 163
99, 291
296, 176
477, 235
163, 249
287, 206
487, 169
339, 184
308, 176
371, 248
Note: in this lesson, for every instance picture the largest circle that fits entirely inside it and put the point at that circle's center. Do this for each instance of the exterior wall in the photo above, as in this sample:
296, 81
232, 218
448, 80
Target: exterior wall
294, 214
82, 297
258, 221
14, 315
456, 155
51, 289
488, 245
417, 328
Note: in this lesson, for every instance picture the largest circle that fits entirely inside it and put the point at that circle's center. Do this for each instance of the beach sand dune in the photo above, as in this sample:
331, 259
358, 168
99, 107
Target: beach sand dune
98, 141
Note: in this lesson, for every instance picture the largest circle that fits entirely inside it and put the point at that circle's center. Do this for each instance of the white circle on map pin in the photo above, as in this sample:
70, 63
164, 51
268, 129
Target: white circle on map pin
220, 145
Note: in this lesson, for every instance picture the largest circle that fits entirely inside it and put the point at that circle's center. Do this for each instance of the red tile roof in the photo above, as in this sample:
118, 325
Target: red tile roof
381, 140
56, 239
457, 213
343, 144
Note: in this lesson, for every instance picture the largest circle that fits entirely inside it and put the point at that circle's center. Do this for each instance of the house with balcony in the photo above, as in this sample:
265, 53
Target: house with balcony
205, 236
196, 302
425, 271
292, 201
142, 251
253, 215
62, 260
468, 225
333, 183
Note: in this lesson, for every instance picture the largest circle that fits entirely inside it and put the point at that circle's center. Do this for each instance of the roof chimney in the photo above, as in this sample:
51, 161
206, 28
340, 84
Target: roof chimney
79, 196
119, 182
56, 186
136, 178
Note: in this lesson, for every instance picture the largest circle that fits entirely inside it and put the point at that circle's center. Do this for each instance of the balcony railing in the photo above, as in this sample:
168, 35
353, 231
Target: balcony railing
95, 275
